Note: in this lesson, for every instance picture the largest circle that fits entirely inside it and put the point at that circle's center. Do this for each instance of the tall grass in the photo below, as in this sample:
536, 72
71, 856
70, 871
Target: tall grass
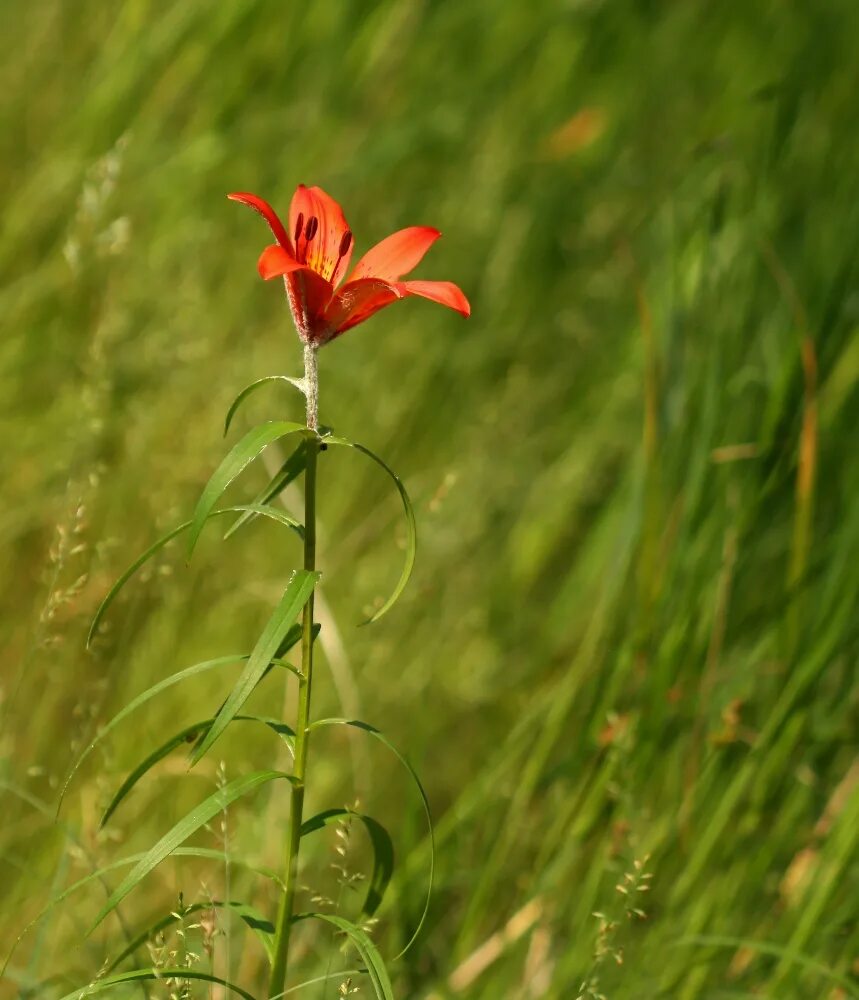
632, 629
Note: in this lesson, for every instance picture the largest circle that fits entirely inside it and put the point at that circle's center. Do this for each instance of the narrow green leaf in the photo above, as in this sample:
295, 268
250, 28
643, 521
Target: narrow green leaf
380, 736
100, 985
290, 639
411, 530
294, 598
383, 852
289, 471
197, 817
187, 735
296, 383
249, 509
181, 852
262, 927
239, 457
369, 953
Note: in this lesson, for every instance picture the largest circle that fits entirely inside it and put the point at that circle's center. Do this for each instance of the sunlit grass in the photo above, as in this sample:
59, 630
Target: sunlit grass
632, 625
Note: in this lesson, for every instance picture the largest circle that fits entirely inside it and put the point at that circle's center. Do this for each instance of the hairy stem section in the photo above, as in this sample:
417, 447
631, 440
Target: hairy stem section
311, 385
277, 983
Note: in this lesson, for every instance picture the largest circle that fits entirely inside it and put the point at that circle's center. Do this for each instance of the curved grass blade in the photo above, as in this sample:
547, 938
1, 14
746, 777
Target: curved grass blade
137, 975
290, 639
251, 509
197, 817
180, 852
187, 735
289, 471
380, 736
411, 537
296, 595
262, 927
319, 979
236, 460
383, 852
296, 383
369, 953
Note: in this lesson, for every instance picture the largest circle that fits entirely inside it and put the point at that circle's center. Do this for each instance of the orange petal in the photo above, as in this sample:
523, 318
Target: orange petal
312, 290
396, 255
274, 261
357, 301
445, 292
267, 212
322, 251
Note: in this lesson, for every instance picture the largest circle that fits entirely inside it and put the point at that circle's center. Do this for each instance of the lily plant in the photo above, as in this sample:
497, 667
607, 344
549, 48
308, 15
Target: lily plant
312, 254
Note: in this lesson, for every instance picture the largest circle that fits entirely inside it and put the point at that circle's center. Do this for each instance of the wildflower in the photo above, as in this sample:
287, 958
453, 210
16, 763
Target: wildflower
314, 254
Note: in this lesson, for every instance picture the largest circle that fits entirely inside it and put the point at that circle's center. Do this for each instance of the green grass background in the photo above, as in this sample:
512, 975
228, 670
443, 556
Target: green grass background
632, 629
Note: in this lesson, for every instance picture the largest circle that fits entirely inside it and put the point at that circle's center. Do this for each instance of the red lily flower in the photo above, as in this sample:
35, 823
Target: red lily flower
313, 256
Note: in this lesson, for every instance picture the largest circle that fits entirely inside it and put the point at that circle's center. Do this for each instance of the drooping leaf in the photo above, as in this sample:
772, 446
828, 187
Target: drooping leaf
296, 383
137, 975
260, 925
383, 852
253, 510
411, 530
290, 639
368, 951
190, 823
289, 471
237, 459
380, 736
187, 735
181, 852
294, 598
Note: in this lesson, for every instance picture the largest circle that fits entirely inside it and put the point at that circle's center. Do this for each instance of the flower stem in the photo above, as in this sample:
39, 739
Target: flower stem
277, 982
311, 386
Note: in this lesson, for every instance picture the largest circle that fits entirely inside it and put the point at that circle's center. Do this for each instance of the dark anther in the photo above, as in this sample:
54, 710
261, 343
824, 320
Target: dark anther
345, 243
323, 447
299, 225
311, 227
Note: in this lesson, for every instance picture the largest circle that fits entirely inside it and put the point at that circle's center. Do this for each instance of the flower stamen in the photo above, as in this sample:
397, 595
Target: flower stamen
345, 243
311, 228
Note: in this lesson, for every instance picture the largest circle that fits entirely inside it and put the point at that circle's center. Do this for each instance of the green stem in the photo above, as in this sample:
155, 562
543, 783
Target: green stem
277, 982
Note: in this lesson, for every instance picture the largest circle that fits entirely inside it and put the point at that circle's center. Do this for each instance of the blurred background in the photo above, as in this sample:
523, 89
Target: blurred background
630, 643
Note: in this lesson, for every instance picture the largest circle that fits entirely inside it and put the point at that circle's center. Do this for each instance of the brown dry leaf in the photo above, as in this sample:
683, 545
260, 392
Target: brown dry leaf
740, 962
616, 727
838, 800
576, 133
799, 875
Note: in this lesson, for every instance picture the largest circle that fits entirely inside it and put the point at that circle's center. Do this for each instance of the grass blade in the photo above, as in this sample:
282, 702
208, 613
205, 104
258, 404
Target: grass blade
380, 736
294, 598
187, 735
411, 530
99, 985
250, 509
777, 951
383, 852
366, 949
197, 817
239, 457
296, 383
